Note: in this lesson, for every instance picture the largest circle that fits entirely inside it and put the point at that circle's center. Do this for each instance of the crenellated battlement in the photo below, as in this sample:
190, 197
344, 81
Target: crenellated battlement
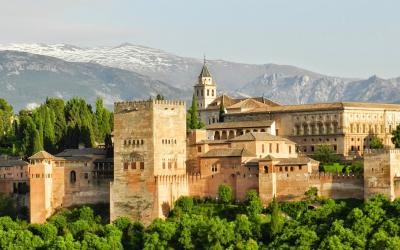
381, 151
129, 106
177, 178
327, 175
169, 102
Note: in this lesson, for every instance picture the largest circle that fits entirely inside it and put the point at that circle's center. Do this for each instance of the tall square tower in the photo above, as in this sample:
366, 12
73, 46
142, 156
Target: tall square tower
149, 158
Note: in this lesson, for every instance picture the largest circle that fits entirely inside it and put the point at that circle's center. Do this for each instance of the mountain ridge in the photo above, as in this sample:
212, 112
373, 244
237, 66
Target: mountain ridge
285, 84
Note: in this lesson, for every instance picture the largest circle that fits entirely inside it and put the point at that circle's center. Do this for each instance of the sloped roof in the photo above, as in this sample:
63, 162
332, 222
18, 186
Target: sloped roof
240, 124
41, 155
227, 101
227, 152
248, 103
324, 106
260, 136
204, 71
11, 162
74, 158
266, 101
300, 160
82, 152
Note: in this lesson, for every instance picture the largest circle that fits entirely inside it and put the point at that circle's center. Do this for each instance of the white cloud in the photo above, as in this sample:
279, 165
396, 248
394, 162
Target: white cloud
32, 105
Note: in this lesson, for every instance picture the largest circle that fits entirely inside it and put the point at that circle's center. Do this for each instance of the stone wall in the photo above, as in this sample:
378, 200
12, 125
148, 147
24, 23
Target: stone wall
149, 145
292, 186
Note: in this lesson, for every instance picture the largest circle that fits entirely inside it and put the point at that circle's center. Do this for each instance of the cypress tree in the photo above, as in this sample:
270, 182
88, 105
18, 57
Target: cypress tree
221, 111
36, 145
193, 121
276, 219
48, 131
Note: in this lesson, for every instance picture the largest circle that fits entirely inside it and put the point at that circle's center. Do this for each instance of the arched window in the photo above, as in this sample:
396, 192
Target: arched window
72, 176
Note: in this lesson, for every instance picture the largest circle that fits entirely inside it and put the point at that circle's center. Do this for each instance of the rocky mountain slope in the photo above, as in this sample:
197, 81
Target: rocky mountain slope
179, 71
281, 83
27, 79
305, 89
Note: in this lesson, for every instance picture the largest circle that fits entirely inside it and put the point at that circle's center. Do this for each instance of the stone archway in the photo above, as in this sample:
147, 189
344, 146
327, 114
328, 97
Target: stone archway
217, 135
224, 135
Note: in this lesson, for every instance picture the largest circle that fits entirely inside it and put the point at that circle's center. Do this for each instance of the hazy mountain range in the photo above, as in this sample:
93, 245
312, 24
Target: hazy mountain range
135, 72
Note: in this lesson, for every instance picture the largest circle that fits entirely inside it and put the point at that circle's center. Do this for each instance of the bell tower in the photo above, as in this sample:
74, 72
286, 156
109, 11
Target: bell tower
205, 90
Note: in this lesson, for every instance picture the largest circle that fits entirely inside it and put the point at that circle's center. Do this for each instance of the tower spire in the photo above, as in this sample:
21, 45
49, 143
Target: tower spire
204, 61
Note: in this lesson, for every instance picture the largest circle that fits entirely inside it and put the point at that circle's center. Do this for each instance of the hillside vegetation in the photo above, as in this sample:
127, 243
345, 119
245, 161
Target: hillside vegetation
205, 224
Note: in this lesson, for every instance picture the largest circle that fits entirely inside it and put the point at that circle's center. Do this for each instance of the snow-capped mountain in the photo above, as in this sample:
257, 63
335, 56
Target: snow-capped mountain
160, 70
28, 79
306, 89
178, 71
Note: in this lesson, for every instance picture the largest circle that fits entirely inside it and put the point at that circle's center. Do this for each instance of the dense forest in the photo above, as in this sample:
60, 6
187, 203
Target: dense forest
314, 223
53, 126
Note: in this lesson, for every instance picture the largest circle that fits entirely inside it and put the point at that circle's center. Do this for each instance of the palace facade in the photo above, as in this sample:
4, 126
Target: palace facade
347, 127
260, 146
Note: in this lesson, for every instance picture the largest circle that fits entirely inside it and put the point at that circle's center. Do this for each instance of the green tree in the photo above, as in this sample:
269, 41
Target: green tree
311, 194
57, 106
221, 111
396, 137
103, 117
185, 203
192, 120
36, 142
375, 143
6, 113
276, 219
133, 237
49, 137
253, 203
160, 97
325, 154
225, 193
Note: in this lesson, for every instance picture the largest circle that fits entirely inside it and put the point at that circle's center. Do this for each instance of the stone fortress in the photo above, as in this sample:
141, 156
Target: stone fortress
260, 145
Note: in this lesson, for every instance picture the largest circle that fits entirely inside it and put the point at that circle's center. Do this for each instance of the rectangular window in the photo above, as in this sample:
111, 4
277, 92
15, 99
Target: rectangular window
199, 149
133, 165
163, 164
208, 92
262, 148
335, 147
86, 176
291, 169
277, 148
312, 148
270, 147
290, 149
126, 165
169, 165
300, 167
286, 169
142, 165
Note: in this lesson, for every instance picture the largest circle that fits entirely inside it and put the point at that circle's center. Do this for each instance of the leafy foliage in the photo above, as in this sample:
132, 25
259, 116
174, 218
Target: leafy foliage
375, 143
204, 224
53, 126
325, 154
225, 193
192, 121
396, 137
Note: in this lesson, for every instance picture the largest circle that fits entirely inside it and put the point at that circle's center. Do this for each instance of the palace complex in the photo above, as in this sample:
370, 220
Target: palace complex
259, 145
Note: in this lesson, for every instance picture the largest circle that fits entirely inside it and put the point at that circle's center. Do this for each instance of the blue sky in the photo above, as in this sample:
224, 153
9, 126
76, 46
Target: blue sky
350, 38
